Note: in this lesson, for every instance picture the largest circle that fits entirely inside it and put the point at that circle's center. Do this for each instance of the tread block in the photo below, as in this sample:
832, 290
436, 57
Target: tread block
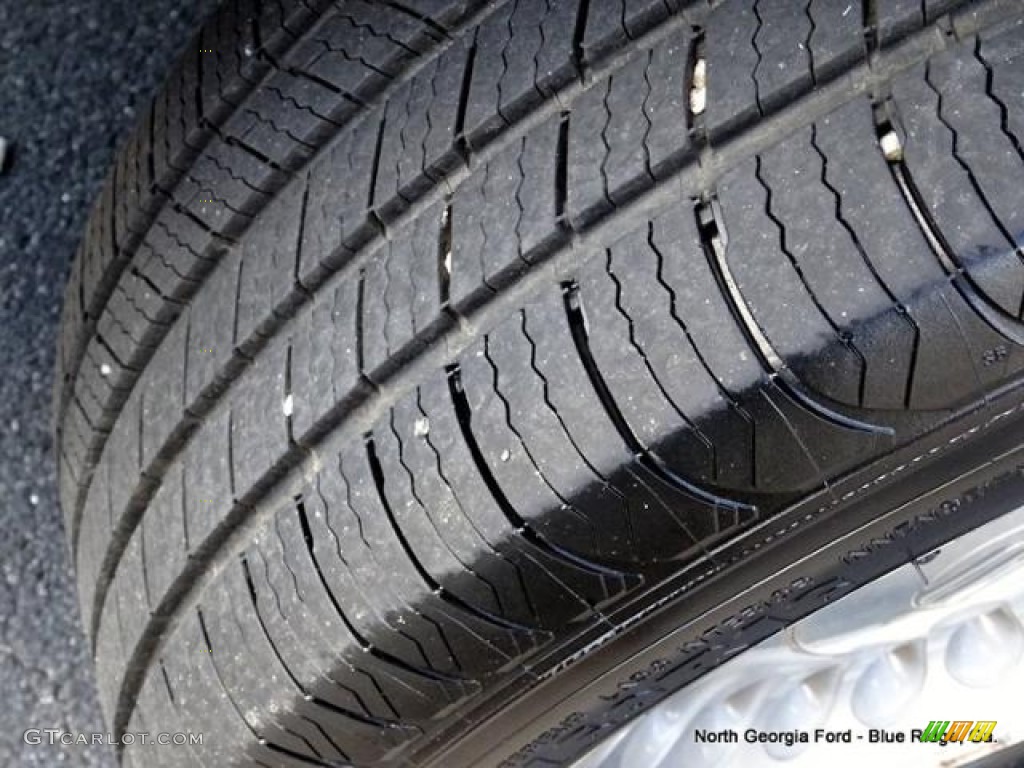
992, 154
211, 322
125, 174
283, 120
1003, 54
534, 38
95, 392
167, 531
961, 211
97, 249
540, 220
290, 590
666, 108
182, 248
475, 643
125, 451
486, 215
339, 190
732, 59
778, 461
209, 486
360, 47
426, 536
627, 164
259, 428
510, 462
109, 652
587, 193
155, 706
237, 178
92, 547
897, 17
401, 293
772, 287
68, 487
200, 697
830, 258
422, 476
120, 327
74, 447
557, 583
237, 640
343, 696
325, 349
200, 199
269, 263
130, 586
784, 55
351, 572
653, 509
174, 272
944, 365
610, 23
419, 132
163, 396
672, 404
838, 37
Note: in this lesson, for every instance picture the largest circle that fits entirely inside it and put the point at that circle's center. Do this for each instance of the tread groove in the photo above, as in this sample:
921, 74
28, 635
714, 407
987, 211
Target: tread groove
992, 315
545, 253
465, 416
578, 327
902, 310
972, 177
444, 594
362, 641
553, 70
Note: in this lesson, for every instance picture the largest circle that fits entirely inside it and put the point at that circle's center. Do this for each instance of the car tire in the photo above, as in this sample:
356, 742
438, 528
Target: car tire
421, 360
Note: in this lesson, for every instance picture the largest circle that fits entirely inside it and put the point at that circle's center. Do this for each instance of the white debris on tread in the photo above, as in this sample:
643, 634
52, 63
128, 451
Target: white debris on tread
33, 499
422, 427
105, 370
446, 233
891, 147
699, 88
288, 405
505, 455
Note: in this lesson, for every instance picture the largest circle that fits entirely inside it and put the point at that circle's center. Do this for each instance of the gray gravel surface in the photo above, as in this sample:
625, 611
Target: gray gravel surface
73, 76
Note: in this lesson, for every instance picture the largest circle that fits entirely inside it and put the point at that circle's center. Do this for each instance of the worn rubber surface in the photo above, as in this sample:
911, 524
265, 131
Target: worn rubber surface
409, 341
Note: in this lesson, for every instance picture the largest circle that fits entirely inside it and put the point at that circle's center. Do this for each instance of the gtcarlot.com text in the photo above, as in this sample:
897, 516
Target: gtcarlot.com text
54, 736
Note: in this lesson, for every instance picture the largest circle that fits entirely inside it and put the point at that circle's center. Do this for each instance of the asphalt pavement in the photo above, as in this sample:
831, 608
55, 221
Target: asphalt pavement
74, 75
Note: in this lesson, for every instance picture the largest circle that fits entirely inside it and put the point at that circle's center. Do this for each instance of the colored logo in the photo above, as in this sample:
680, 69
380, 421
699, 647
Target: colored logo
958, 731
